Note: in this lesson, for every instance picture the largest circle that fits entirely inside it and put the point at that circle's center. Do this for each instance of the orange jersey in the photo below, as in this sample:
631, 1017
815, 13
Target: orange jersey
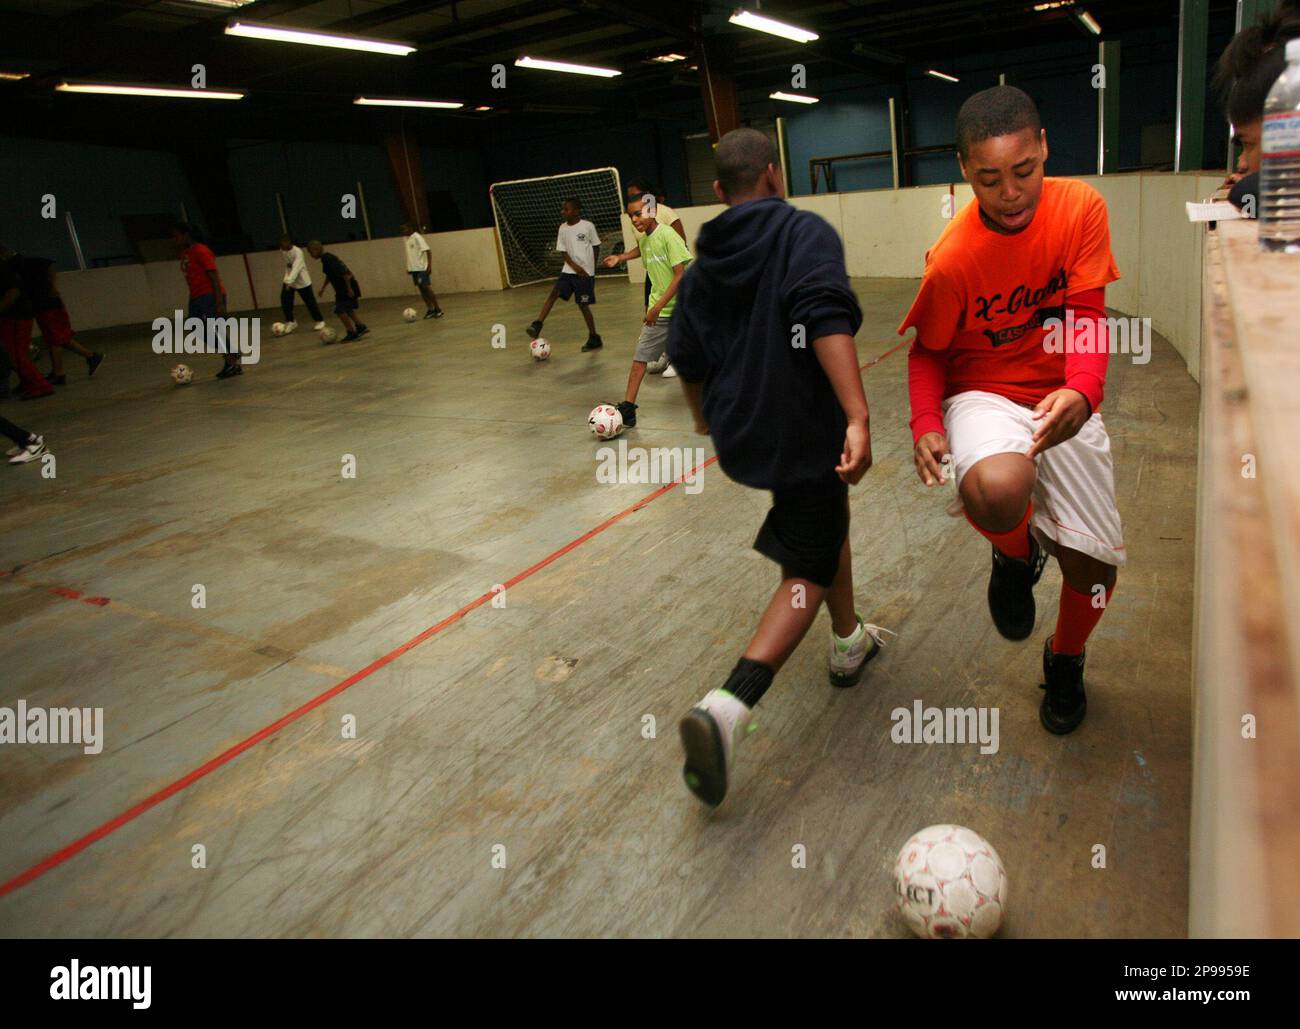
985, 295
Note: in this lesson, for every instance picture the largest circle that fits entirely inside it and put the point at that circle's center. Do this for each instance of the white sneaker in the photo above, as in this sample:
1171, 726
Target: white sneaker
30, 452
709, 734
849, 656
670, 372
657, 365
290, 327
318, 326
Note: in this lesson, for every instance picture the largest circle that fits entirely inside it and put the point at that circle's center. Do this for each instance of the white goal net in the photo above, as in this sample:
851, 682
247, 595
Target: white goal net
527, 214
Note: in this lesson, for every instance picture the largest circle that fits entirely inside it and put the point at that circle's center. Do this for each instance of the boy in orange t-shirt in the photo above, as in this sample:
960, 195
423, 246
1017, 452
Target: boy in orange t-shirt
1006, 373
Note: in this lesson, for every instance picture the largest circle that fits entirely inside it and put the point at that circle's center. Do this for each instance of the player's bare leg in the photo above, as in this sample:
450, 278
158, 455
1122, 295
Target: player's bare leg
839, 598
634, 378
789, 614
546, 310
586, 316
996, 491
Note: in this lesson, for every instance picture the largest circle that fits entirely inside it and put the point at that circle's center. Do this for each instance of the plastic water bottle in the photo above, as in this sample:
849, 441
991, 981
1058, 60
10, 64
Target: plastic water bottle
1279, 176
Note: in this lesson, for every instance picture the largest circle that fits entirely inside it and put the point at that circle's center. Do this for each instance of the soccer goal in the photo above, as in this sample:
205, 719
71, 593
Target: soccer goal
527, 214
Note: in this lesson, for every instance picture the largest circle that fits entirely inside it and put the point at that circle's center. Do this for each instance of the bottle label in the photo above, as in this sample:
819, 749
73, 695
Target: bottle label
1281, 135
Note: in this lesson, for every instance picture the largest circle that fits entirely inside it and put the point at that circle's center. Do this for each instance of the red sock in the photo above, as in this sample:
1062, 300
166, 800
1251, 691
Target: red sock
1076, 619
1014, 542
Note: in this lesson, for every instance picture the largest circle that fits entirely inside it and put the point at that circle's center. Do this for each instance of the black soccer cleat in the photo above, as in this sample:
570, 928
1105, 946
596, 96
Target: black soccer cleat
593, 343
93, 362
1065, 702
1011, 591
628, 410
230, 371
534, 330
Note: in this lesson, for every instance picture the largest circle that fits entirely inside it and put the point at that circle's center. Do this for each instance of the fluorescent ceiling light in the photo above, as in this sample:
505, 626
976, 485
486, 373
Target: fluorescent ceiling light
942, 75
280, 35
762, 23
668, 58
574, 69
794, 98
119, 89
483, 108
222, 3
1053, 5
1089, 22
373, 101
14, 76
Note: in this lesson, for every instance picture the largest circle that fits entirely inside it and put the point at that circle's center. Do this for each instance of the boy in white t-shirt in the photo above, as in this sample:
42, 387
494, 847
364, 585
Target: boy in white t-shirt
297, 280
419, 263
578, 242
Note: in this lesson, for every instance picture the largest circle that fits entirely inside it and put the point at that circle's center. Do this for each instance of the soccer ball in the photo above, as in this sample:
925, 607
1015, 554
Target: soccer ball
605, 421
951, 884
182, 375
328, 335
277, 328
409, 314
540, 349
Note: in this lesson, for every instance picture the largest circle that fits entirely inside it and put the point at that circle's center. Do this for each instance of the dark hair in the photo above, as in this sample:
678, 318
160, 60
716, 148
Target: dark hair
574, 201
998, 111
641, 186
286, 238
742, 155
185, 229
1252, 62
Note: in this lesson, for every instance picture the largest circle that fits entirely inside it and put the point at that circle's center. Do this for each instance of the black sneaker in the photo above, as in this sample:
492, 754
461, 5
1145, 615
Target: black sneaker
593, 343
362, 330
534, 330
628, 411
1065, 702
93, 362
230, 370
429, 314
348, 338
1011, 591
437, 312
57, 380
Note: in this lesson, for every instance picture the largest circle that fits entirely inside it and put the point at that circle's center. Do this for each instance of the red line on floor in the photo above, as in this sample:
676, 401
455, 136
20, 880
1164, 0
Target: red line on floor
153, 800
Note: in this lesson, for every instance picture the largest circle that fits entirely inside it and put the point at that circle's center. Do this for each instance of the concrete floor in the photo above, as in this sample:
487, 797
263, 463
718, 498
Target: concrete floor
521, 727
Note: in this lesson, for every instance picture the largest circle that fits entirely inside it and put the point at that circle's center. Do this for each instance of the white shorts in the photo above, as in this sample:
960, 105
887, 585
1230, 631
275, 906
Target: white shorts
1074, 491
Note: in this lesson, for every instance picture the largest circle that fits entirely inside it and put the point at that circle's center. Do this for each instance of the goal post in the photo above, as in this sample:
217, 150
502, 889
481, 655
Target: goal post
527, 215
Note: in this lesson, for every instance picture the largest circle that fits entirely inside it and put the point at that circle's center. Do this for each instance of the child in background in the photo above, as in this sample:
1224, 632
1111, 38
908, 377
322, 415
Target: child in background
207, 294
419, 265
578, 242
297, 280
666, 258
347, 294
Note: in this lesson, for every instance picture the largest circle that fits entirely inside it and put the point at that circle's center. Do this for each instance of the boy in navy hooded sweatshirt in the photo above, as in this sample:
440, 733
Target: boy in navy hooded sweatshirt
763, 342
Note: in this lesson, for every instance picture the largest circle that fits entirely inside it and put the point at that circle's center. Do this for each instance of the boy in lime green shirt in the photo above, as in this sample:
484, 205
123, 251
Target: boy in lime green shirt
665, 256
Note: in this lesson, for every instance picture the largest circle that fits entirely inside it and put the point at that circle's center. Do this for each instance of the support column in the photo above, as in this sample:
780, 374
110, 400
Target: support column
403, 153
721, 105
1108, 108
1189, 130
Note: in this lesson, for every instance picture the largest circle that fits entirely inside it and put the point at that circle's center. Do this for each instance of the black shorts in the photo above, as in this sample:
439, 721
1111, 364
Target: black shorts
805, 530
581, 288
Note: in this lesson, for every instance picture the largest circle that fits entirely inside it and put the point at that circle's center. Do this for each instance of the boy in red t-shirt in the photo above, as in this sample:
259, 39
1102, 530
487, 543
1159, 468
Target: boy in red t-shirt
207, 294
1006, 372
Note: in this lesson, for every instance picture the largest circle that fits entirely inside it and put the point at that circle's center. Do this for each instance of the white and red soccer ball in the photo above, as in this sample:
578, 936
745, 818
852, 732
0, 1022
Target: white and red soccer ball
540, 349
951, 884
182, 375
605, 422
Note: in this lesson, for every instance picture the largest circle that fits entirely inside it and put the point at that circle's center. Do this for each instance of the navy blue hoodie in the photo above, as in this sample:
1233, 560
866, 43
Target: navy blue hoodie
762, 268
